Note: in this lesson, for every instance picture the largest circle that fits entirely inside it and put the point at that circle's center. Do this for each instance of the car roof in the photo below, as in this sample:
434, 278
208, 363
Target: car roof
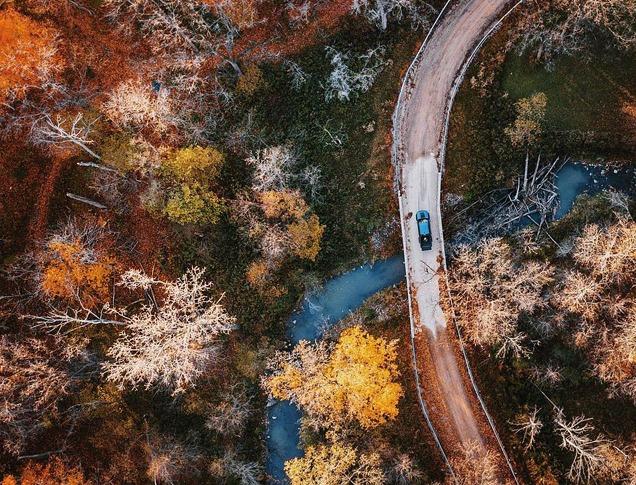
424, 228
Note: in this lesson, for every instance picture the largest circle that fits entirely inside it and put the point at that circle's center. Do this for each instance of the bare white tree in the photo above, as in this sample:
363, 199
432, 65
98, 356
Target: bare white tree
529, 425
557, 27
299, 77
299, 11
133, 104
549, 375
61, 131
345, 81
173, 343
608, 252
66, 320
580, 293
168, 459
474, 465
247, 472
229, 416
378, 12
168, 24
34, 375
273, 168
576, 437
493, 291
404, 470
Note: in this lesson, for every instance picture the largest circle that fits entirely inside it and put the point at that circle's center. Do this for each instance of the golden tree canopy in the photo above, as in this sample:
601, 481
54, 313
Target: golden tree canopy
194, 204
194, 164
305, 235
334, 465
527, 127
355, 380
284, 204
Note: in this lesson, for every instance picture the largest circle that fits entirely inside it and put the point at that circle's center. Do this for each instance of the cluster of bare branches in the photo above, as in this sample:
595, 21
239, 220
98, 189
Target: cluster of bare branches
529, 425
133, 104
169, 460
345, 81
534, 199
61, 131
168, 24
474, 465
598, 291
171, 343
404, 470
378, 12
34, 375
557, 27
576, 437
494, 291
276, 168
230, 466
230, 415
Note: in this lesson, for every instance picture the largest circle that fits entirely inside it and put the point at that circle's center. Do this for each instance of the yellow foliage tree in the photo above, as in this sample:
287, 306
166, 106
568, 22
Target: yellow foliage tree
306, 235
67, 274
527, 127
194, 164
250, 81
193, 204
355, 380
27, 53
285, 205
335, 465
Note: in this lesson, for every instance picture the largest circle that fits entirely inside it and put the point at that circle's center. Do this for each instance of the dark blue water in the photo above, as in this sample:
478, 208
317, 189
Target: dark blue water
319, 310
575, 179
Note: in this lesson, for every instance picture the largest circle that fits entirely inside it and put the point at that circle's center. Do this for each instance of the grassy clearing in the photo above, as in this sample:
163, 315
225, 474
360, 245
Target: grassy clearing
588, 114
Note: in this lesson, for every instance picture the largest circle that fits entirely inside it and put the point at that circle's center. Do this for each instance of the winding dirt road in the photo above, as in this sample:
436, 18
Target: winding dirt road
420, 124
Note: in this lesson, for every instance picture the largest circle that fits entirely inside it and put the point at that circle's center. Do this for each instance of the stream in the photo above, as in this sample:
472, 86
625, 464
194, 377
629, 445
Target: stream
347, 292
338, 297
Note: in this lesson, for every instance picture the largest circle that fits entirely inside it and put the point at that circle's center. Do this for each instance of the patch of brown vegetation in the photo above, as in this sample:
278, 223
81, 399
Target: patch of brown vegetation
271, 36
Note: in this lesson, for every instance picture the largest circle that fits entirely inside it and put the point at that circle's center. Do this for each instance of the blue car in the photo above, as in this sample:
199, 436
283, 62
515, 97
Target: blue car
423, 219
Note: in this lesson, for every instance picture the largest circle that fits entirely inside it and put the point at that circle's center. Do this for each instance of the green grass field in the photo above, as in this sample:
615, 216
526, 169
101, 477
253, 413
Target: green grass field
586, 115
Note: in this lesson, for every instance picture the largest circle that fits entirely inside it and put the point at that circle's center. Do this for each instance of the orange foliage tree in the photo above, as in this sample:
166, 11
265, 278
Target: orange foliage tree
303, 230
55, 472
27, 54
74, 263
283, 225
68, 273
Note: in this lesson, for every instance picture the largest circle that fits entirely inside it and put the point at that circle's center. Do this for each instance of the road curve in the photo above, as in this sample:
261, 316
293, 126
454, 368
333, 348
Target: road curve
420, 123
